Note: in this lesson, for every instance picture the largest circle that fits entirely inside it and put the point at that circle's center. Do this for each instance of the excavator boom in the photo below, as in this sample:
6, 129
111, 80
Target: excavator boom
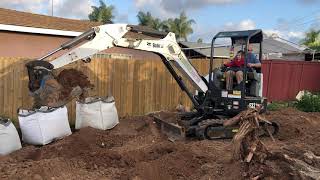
107, 36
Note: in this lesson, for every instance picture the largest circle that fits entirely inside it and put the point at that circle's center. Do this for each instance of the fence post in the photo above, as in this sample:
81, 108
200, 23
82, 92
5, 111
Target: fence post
301, 75
269, 77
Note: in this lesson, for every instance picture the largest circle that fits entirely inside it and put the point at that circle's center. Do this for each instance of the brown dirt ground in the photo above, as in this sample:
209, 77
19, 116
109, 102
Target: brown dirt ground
136, 150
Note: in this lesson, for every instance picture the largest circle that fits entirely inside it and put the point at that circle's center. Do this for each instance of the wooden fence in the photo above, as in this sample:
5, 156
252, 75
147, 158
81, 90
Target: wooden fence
139, 86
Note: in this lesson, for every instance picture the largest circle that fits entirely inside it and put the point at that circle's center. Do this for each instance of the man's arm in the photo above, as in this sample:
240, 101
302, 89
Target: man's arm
256, 65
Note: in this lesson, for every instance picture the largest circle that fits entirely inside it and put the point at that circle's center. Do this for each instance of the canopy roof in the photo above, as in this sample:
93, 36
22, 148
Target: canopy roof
256, 36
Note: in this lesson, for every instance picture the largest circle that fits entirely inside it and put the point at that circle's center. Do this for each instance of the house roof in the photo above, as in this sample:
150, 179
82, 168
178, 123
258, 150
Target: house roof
18, 18
205, 49
271, 45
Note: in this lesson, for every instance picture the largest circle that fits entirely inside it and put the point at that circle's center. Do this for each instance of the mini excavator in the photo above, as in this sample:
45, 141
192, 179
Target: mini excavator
212, 103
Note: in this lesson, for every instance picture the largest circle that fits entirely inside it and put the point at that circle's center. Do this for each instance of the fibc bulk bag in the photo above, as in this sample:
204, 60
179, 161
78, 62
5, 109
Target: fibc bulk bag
44, 125
99, 113
9, 138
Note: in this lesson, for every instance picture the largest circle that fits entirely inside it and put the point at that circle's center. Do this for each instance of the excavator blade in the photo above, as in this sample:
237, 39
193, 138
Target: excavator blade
171, 130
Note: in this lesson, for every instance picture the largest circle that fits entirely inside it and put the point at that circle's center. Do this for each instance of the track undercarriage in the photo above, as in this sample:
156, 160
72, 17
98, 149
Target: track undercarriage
192, 125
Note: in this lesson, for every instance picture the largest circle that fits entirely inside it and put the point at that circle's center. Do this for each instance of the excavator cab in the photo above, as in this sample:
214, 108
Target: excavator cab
249, 92
219, 104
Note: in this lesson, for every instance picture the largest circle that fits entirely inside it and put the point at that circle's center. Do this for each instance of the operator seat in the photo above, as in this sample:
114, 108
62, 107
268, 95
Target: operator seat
254, 82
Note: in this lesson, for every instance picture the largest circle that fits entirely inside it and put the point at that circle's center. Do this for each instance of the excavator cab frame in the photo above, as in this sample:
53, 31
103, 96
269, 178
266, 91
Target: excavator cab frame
230, 103
218, 104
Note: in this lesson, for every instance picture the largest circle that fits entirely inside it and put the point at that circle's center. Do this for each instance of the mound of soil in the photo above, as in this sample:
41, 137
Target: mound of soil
135, 149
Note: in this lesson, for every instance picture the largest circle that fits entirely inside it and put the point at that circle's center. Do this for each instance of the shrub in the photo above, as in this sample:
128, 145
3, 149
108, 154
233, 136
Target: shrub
309, 103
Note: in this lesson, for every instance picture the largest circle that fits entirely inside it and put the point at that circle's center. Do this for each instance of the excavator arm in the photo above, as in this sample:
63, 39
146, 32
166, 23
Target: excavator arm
107, 36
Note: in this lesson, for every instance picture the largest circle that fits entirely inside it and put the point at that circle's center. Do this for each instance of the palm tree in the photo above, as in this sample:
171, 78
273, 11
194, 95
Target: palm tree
200, 40
103, 13
146, 19
181, 26
312, 39
157, 24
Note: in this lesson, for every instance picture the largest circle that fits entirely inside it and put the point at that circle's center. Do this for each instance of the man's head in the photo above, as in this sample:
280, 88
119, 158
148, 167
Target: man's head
250, 49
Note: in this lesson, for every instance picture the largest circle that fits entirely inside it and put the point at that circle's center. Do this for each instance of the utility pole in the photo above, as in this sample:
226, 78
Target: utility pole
51, 7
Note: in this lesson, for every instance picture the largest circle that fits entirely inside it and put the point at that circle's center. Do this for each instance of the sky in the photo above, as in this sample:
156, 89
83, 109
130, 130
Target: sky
288, 19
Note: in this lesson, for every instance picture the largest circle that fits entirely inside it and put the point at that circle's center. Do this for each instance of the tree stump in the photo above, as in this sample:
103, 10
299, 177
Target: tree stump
248, 148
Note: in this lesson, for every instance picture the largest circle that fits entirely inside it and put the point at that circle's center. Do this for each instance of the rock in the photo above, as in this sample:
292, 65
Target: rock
37, 177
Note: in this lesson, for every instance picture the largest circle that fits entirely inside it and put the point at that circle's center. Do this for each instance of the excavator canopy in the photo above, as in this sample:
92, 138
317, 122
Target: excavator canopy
255, 36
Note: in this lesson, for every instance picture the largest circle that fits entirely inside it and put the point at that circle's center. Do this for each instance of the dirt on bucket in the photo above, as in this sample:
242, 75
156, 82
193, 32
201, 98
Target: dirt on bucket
71, 78
59, 90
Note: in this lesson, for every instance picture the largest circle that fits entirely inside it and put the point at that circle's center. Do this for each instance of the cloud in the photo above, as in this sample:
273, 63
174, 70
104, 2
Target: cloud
61, 8
22, 5
167, 8
193, 4
308, 1
207, 33
247, 24
154, 7
294, 36
70, 9
121, 17
141, 3
294, 29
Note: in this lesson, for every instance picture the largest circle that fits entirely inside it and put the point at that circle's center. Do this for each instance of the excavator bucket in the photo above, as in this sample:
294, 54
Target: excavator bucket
53, 90
37, 70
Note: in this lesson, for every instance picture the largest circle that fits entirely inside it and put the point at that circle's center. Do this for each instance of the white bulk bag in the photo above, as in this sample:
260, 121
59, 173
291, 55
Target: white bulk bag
44, 125
99, 113
9, 138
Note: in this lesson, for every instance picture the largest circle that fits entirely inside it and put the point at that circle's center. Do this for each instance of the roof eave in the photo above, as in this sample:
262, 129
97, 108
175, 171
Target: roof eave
24, 29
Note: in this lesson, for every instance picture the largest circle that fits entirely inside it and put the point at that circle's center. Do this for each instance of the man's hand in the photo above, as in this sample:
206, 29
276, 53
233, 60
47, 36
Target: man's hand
254, 65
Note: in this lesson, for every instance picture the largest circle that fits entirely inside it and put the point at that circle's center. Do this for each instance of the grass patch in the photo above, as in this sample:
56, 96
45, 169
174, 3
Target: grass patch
275, 106
308, 103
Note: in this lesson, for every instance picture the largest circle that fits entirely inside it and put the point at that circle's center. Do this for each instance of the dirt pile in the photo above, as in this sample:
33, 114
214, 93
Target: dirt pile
136, 150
